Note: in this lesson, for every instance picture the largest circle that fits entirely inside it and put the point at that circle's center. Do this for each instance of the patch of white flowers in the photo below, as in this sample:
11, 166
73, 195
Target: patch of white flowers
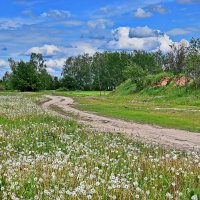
51, 158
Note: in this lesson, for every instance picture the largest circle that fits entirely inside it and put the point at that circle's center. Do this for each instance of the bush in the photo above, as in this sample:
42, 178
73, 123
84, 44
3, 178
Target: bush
151, 79
2, 87
136, 74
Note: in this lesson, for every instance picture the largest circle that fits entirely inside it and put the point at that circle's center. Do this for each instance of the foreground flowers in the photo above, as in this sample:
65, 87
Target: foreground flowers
44, 157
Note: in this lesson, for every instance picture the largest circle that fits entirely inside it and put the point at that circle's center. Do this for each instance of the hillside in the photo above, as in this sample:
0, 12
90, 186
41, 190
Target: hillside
162, 88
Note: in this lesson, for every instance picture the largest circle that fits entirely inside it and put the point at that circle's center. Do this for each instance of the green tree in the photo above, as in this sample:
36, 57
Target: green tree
55, 83
136, 74
69, 83
148, 61
39, 63
193, 61
25, 77
6, 81
176, 58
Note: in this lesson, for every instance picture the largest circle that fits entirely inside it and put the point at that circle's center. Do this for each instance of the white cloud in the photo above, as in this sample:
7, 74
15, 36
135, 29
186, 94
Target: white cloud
149, 40
11, 24
81, 48
140, 13
17, 22
4, 64
182, 31
112, 10
55, 64
57, 14
70, 22
46, 50
144, 31
100, 23
50, 70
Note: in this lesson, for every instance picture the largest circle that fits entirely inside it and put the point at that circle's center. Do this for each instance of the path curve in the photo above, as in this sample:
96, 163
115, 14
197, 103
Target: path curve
180, 139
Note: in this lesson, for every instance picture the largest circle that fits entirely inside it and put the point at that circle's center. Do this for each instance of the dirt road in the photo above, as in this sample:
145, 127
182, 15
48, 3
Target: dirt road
168, 137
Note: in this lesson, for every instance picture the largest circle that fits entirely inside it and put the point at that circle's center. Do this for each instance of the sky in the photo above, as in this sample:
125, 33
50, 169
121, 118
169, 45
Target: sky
63, 28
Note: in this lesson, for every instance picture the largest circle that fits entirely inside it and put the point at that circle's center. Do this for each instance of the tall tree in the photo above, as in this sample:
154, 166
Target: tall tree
176, 58
148, 61
25, 77
193, 61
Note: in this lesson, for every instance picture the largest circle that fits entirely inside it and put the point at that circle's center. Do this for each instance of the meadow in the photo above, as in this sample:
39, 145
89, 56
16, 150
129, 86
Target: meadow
46, 157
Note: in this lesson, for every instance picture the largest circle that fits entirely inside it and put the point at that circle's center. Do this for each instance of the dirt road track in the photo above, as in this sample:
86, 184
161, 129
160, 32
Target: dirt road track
180, 139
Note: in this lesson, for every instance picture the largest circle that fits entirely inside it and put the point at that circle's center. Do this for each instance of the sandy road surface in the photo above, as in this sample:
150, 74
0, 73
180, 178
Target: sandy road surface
169, 137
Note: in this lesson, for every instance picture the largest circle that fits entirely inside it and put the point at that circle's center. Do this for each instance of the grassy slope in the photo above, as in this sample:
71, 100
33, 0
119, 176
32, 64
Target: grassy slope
142, 107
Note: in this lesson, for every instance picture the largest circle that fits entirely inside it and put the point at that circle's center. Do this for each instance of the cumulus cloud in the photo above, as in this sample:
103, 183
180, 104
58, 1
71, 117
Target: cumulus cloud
46, 50
55, 63
81, 47
50, 70
139, 38
141, 13
141, 32
56, 14
77, 48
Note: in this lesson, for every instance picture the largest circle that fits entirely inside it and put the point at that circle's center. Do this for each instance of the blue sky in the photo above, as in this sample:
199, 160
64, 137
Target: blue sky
62, 28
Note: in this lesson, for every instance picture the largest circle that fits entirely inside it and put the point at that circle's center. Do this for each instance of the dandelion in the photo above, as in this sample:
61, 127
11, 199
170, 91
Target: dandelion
173, 184
137, 196
97, 183
168, 195
89, 196
57, 160
194, 197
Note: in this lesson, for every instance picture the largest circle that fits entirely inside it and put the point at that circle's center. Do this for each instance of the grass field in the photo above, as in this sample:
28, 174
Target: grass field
45, 157
176, 110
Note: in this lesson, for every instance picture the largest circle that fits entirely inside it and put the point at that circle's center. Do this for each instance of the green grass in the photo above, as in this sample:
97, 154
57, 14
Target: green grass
46, 157
143, 112
77, 93
143, 107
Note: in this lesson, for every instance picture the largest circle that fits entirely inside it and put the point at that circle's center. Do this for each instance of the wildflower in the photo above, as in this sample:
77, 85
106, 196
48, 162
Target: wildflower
168, 195
147, 192
137, 196
194, 197
89, 196
97, 183
173, 184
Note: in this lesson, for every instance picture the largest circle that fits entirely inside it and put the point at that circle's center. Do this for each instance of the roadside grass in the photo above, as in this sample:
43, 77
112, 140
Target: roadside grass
158, 106
77, 93
186, 120
46, 157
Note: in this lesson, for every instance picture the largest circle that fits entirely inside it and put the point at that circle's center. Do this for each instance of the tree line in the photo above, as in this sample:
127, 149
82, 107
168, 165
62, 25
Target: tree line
106, 70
